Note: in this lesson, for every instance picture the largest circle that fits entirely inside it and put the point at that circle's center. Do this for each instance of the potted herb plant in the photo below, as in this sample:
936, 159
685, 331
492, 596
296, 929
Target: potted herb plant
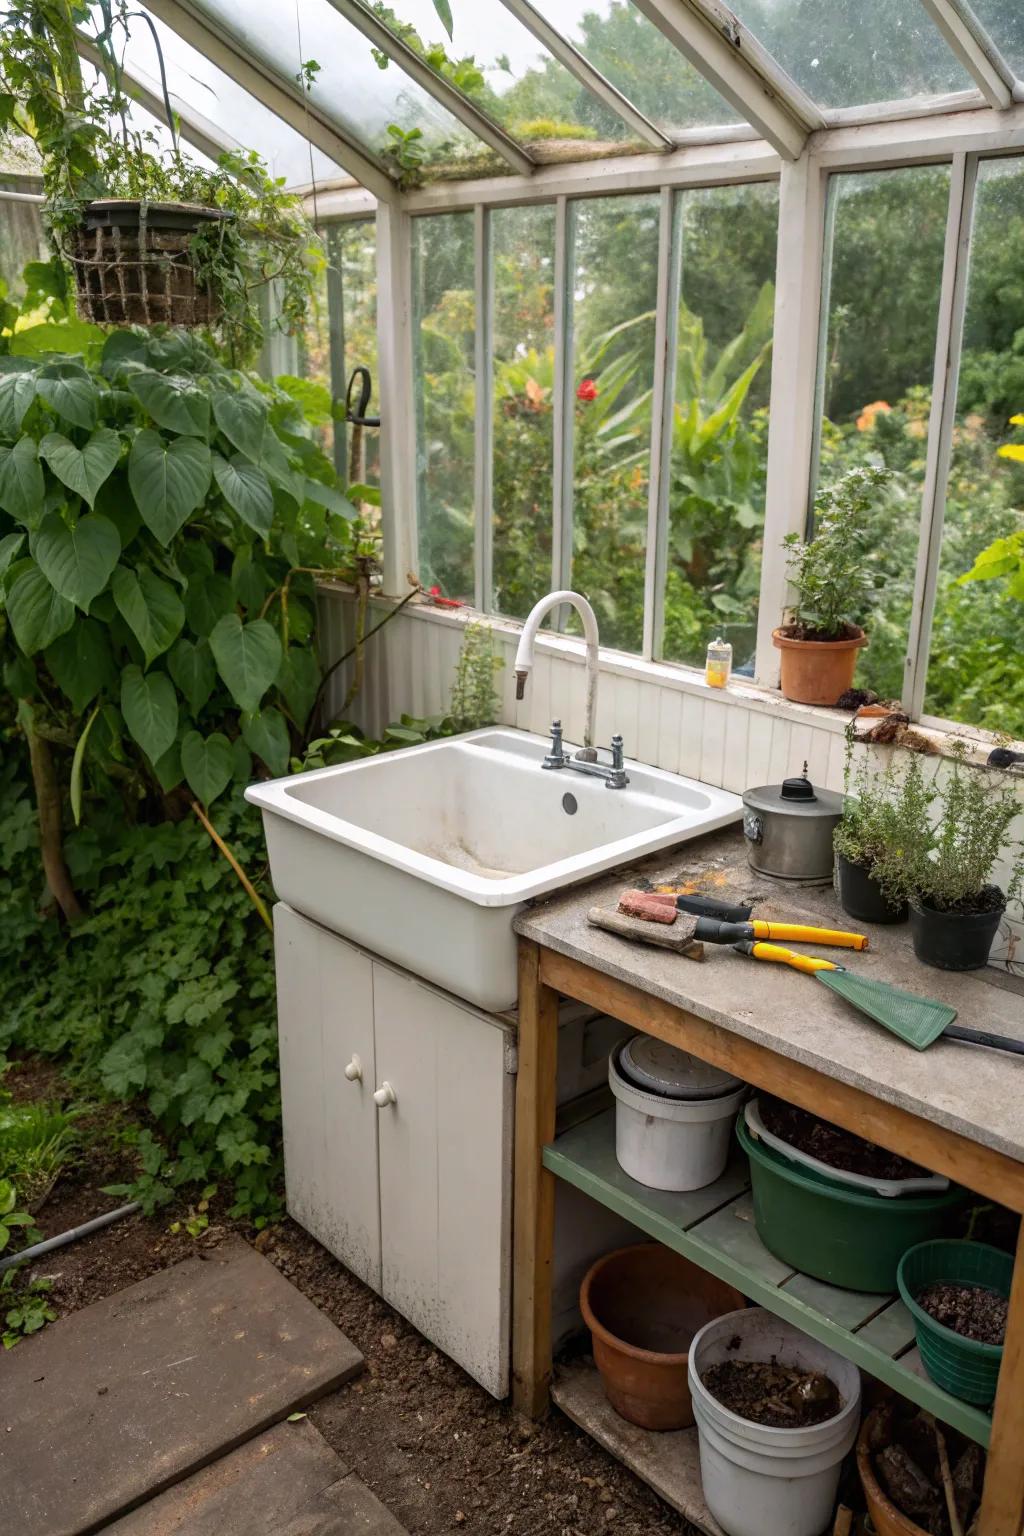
830, 578
885, 813
146, 234
955, 908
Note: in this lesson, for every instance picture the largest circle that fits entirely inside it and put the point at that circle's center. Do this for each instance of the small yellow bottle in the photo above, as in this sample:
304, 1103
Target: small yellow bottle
718, 664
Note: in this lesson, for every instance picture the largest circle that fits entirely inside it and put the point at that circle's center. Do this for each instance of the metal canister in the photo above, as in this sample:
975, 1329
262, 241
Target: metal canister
789, 827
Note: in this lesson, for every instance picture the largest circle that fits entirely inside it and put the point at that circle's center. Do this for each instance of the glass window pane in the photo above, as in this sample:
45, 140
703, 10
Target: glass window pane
349, 85
615, 282
22, 238
523, 253
720, 421
1004, 20
878, 357
850, 52
445, 328
974, 671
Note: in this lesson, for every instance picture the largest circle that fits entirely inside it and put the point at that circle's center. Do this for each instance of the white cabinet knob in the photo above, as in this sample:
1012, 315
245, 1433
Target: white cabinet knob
385, 1095
354, 1070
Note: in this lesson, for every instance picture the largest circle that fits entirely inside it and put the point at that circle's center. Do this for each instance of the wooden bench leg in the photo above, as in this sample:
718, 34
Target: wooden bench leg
1002, 1505
534, 1209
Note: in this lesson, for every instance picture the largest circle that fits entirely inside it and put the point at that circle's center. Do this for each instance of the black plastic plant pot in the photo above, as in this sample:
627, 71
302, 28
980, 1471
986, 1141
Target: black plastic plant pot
953, 941
861, 897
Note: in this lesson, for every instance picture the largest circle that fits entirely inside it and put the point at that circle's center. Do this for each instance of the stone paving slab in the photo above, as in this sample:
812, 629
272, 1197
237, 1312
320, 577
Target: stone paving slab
285, 1482
117, 1402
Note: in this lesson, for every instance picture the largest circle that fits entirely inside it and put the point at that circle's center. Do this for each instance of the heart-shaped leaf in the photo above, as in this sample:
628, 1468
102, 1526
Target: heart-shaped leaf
248, 657
250, 579
82, 470
267, 734
17, 391
150, 709
209, 764
168, 480
82, 662
168, 769
68, 389
78, 561
243, 760
246, 490
298, 680
22, 484
208, 598
38, 613
329, 497
9, 549
191, 666
243, 420
172, 402
150, 607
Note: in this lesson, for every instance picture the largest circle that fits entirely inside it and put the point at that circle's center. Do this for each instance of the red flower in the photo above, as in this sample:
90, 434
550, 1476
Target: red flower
586, 390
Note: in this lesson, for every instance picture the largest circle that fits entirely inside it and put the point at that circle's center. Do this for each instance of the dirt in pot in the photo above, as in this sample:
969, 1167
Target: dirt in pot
780, 1396
904, 1451
973, 1311
832, 1145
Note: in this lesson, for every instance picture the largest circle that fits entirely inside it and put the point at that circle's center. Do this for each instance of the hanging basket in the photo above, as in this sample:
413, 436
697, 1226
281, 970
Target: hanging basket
133, 264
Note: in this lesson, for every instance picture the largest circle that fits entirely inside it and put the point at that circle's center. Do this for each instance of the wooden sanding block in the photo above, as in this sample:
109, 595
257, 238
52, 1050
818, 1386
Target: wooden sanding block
677, 936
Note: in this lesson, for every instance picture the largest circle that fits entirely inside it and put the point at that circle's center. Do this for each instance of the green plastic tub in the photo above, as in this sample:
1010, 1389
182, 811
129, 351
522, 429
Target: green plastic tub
836, 1234
964, 1367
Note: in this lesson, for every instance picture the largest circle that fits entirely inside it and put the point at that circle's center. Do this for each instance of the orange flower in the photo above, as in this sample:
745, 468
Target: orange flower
866, 419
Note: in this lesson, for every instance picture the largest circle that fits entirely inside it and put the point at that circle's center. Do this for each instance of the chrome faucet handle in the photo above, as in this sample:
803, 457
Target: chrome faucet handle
556, 757
618, 754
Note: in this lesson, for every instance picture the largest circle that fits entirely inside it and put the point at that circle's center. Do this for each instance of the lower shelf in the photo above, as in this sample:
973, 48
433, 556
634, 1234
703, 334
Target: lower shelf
715, 1228
669, 1463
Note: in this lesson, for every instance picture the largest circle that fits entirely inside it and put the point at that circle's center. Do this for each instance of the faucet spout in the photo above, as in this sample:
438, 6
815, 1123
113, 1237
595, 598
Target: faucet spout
524, 655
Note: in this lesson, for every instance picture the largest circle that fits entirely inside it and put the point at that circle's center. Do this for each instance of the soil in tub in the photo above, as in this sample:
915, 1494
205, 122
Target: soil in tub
779, 1396
973, 1311
831, 1144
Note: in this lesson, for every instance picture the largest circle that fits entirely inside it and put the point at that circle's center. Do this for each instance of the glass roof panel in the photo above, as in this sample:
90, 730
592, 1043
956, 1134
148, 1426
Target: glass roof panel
201, 86
629, 50
1004, 20
142, 121
847, 53
348, 84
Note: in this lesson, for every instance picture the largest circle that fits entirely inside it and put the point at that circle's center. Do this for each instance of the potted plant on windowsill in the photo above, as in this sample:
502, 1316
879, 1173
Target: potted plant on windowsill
885, 812
146, 234
830, 578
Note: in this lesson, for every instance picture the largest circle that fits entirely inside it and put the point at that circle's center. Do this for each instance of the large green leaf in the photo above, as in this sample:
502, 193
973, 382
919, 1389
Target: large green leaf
17, 391
77, 766
246, 490
150, 607
68, 389
266, 733
172, 402
191, 666
298, 681
243, 420
150, 709
248, 658
208, 598
209, 764
331, 498
22, 484
10, 547
82, 470
77, 561
82, 662
168, 480
38, 614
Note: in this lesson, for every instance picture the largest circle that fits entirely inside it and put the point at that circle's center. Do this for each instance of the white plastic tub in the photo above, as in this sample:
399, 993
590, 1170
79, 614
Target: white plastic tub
760, 1481
675, 1144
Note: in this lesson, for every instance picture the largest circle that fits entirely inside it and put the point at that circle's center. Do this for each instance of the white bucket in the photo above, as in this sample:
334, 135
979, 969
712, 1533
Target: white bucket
760, 1481
675, 1144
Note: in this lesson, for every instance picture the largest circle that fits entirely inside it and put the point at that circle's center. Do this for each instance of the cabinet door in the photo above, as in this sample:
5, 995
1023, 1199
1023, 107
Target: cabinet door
445, 1148
325, 1022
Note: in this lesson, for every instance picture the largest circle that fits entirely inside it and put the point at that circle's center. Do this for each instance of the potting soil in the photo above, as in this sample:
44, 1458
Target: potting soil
832, 1145
780, 1396
973, 1311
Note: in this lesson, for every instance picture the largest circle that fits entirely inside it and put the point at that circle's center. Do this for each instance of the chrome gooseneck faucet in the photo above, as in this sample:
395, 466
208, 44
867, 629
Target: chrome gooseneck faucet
585, 761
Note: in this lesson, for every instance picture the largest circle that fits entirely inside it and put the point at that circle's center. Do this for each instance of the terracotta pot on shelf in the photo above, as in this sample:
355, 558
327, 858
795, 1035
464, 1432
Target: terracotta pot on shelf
885, 1517
817, 671
643, 1306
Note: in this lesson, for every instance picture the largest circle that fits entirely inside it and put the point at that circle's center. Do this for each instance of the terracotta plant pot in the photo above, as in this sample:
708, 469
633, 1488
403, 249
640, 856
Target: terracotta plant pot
885, 1517
817, 671
643, 1306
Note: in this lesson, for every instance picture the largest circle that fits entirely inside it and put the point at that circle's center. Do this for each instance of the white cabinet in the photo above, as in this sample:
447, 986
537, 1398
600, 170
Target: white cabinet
413, 1192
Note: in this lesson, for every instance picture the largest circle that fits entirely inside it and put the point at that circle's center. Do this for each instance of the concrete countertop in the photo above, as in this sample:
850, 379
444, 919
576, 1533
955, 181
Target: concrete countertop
970, 1090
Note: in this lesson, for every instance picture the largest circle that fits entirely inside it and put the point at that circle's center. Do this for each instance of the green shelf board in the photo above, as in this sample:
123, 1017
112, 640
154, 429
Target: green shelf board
714, 1227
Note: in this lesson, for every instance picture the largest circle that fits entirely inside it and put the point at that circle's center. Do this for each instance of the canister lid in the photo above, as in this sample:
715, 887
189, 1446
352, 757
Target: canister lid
657, 1067
796, 796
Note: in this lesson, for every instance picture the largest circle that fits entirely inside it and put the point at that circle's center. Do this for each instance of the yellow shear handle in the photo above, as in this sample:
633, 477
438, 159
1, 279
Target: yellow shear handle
798, 933
808, 963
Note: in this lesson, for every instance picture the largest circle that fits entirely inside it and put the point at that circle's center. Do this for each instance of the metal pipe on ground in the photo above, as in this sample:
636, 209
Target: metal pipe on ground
70, 1236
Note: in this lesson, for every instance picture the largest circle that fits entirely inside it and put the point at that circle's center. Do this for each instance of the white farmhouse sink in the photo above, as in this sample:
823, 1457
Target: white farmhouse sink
426, 855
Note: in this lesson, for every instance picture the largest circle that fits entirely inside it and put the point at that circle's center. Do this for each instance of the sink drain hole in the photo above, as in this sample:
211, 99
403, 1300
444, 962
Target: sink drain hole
570, 805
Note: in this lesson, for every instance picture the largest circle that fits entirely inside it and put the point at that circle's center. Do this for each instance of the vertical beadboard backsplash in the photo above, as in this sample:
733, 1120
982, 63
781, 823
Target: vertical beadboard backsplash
735, 745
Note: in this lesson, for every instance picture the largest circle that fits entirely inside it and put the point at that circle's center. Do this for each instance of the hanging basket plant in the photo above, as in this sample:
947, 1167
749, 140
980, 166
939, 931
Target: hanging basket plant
133, 264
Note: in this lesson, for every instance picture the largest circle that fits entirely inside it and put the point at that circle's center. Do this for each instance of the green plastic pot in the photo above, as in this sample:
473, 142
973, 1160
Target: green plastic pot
964, 1367
842, 1236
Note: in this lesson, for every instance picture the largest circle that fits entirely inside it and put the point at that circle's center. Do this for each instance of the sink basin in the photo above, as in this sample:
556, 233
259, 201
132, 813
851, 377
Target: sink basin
426, 855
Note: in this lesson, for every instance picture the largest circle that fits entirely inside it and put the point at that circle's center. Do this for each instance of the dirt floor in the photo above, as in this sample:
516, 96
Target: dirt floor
434, 1447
